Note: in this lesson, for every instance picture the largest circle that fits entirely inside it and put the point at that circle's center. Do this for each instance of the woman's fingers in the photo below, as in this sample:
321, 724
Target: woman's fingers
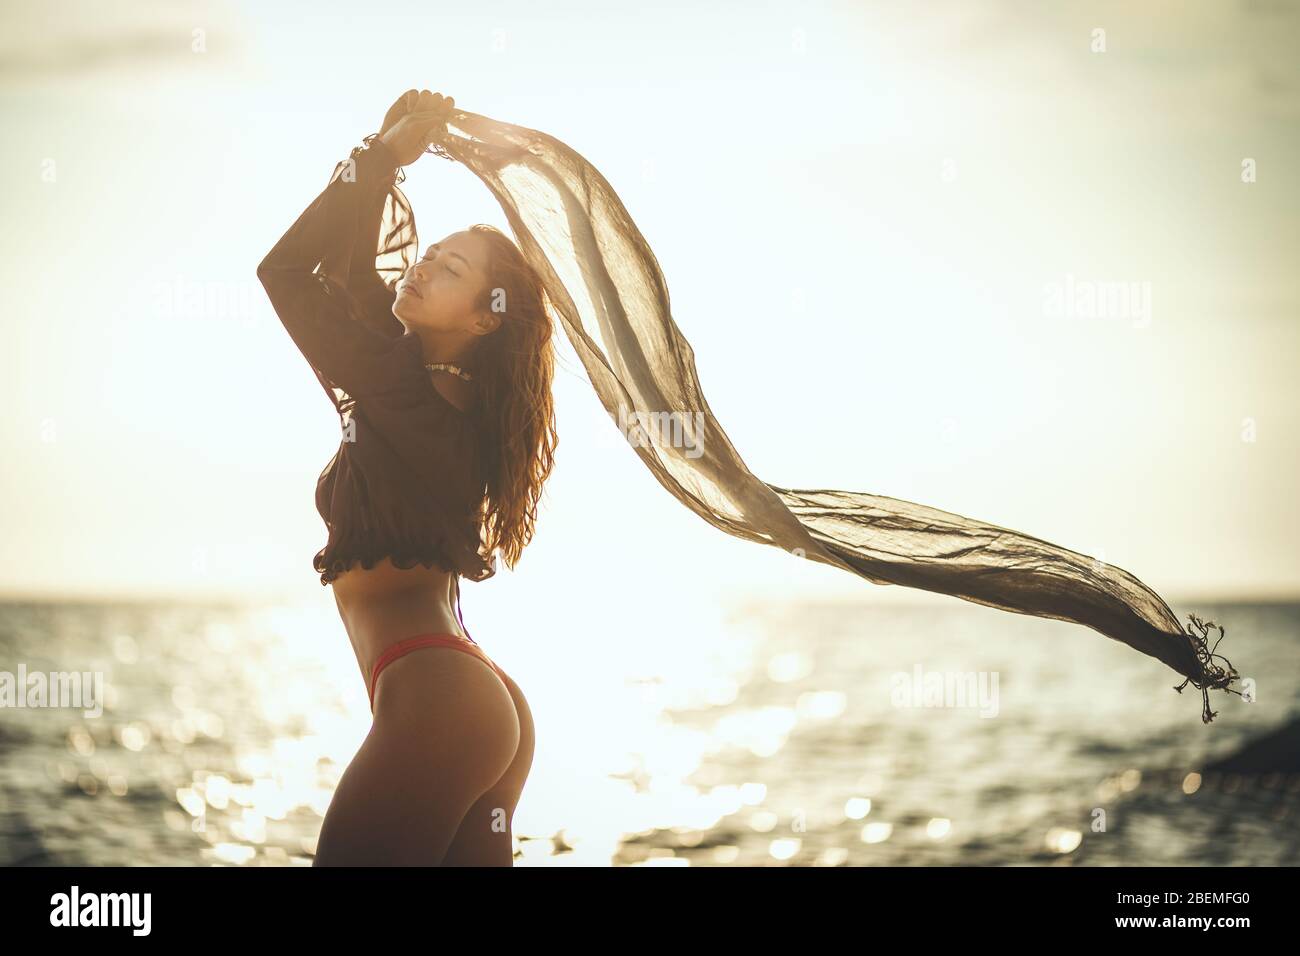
424, 123
427, 100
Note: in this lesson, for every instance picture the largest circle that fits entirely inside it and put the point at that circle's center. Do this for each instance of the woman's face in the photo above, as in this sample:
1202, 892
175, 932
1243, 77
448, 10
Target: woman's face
441, 290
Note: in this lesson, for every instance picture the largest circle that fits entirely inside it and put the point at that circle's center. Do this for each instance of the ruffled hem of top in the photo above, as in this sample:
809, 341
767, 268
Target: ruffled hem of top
464, 561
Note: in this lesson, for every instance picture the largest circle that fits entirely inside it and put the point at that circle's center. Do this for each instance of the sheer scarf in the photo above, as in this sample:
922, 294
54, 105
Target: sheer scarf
612, 300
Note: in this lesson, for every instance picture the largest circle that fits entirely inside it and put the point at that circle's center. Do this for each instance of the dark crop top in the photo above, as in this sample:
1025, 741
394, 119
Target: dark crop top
406, 482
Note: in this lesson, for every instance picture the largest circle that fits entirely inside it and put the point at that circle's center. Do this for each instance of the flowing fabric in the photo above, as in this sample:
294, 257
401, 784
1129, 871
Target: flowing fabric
612, 300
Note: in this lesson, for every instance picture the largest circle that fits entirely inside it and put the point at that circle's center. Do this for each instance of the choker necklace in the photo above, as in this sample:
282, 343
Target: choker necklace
454, 369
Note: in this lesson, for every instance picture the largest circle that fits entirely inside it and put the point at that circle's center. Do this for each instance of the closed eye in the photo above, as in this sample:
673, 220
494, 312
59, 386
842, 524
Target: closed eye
447, 267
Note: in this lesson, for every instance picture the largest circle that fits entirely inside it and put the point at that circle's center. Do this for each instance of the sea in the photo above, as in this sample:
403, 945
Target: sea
768, 734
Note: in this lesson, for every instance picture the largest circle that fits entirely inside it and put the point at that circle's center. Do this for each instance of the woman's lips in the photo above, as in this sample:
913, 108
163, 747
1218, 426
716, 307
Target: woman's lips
407, 287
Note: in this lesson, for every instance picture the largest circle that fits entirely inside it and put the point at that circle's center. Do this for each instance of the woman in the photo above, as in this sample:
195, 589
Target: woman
443, 386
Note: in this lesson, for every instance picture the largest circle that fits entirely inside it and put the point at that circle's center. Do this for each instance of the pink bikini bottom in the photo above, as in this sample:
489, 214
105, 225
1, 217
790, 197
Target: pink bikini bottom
401, 648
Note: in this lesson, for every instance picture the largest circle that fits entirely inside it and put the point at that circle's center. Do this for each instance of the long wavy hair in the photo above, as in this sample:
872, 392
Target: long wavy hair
515, 367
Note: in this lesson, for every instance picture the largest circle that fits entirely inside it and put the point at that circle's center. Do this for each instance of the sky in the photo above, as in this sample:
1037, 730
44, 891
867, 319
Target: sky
881, 229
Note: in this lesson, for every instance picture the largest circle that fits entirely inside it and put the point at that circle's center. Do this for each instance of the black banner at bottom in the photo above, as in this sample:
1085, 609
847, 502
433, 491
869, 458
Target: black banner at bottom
301, 904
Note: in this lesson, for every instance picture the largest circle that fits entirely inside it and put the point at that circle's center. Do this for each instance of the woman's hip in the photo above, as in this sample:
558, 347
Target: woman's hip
440, 684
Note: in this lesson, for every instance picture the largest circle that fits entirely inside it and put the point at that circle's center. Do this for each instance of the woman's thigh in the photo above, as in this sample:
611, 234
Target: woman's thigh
445, 730
485, 836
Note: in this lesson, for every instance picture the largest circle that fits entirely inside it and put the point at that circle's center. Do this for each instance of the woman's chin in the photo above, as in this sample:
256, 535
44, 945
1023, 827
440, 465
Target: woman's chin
413, 320
407, 308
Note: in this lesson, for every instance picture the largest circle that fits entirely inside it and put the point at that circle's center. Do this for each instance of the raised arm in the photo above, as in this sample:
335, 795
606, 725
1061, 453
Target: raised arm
306, 276
408, 125
377, 237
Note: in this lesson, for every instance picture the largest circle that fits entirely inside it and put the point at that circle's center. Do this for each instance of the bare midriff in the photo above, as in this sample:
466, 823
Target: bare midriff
385, 604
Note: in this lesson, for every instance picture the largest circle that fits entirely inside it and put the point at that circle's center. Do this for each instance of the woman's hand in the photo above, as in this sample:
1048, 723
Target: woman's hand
403, 105
413, 122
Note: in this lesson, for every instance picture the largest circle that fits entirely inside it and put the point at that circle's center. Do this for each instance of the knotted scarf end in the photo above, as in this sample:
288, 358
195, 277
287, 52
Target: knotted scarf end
1212, 675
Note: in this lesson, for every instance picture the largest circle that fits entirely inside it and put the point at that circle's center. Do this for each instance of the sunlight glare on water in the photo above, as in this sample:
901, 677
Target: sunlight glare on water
739, 739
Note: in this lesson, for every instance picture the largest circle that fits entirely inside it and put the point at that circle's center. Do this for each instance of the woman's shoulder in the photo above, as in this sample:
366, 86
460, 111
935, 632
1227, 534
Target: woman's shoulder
452, 394
462, 396
429, 401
